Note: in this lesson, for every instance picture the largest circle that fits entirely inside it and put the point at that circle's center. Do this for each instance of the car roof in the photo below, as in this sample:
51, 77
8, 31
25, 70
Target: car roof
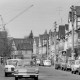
13, 59
47, 60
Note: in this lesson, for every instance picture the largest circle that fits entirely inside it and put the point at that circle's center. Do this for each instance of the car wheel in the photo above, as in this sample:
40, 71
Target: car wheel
6, 74
78, 72
66, 69
36, 78
16, 78
56, 68
61, 68
72, 72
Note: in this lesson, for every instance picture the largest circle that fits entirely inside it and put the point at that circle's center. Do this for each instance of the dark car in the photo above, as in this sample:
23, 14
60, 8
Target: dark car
69, 63
57, 65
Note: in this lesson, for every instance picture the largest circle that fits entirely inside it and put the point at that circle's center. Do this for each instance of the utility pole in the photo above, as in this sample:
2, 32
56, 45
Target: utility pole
47, 48
55, 39
73, 11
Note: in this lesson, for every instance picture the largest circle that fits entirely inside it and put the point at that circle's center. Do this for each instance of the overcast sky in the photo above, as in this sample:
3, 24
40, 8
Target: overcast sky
37, 18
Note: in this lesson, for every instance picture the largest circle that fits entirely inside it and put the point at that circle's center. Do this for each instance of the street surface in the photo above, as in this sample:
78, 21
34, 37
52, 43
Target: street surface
46, 73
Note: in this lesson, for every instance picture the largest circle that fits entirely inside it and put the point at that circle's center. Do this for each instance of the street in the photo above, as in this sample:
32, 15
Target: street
47, 73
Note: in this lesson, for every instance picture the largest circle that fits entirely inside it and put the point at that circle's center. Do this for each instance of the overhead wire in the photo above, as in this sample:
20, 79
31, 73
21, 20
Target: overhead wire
19, 14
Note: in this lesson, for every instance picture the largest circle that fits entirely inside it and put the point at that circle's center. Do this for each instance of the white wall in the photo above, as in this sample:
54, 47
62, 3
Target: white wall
44, 50
70, 40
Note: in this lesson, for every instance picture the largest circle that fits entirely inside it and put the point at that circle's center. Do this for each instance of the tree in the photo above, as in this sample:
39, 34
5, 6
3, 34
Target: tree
5, 46
8, 48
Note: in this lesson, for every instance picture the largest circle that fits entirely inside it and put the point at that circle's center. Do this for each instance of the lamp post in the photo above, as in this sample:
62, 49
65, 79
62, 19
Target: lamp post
47, 48
72, 10
55, 40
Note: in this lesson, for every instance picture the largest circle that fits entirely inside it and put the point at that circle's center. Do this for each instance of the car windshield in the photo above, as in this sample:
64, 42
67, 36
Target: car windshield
37, 59
12, 62
71, 62
47, 61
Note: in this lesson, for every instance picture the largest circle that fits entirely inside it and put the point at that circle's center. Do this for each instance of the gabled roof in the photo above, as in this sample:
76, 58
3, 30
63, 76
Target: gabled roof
46, 37
28, 40
18, 41
23, 44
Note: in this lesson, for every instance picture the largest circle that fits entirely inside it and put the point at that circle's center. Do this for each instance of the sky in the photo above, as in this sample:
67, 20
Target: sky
38, 18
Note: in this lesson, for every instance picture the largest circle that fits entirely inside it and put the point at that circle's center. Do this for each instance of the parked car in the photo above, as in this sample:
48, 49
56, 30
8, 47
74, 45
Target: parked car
78, 70
69, 63
75, 66
47, 62
63, 65
26, 69
41, 62
38, 62
57, 65
10, 66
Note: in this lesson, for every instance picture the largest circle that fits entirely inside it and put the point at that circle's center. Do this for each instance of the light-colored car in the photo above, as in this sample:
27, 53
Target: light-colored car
47, 62
57, 65
38, 61
10, 66
75, 66
26, 69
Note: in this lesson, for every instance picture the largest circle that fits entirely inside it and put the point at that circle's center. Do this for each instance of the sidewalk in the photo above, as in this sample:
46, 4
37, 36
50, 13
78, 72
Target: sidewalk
2, 66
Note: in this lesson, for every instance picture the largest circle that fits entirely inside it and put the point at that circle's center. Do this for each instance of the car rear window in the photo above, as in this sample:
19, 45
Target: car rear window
25, 63
47, 61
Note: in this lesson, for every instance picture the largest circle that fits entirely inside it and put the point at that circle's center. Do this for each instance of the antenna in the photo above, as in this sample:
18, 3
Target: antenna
19, 14
60, 10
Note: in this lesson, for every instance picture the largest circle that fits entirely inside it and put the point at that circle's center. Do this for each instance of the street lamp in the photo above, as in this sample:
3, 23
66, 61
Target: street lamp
55, 40
73, 11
